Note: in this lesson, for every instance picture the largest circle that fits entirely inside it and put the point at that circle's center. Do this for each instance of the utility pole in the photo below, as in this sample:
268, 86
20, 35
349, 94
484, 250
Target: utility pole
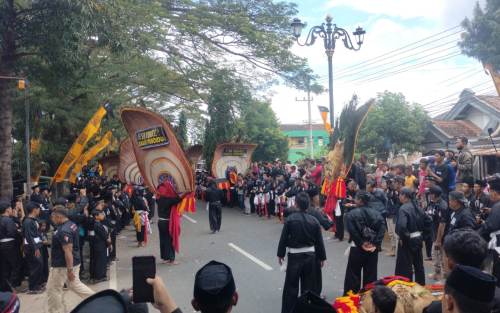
309, 99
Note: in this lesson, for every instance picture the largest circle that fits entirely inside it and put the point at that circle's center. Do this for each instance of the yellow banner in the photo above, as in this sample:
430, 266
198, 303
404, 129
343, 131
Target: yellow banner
495, 75
77, 148
89, 155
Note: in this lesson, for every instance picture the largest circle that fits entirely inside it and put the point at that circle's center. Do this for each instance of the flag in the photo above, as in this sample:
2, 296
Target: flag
495, 75
77, 148
89, 155
324, 115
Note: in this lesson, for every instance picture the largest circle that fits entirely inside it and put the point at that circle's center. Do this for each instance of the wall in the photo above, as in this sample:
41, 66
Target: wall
299, 151
478, 118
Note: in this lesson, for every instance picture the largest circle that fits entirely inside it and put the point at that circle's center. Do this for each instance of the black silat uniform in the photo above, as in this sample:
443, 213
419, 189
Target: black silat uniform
460, 219
100, 252
444, 173
66, 233
490, 231
214, 197
302, 235
364, 224
167, 251
410, 229
9, 255
33, 243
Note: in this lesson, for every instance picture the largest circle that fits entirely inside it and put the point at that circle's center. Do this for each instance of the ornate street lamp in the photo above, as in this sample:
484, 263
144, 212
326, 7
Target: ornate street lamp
329, 33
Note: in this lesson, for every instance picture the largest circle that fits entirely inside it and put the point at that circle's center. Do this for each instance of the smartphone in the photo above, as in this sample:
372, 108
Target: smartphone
143, 267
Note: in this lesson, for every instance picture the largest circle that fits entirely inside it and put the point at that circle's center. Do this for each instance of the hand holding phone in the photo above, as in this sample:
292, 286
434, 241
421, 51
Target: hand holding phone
143, 267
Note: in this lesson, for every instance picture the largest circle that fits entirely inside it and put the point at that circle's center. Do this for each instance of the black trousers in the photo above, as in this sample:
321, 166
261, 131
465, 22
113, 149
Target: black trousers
167, 251
339, 225
112, 254
215, 216
252, 204
10, 264
35, 265
409, 261
495, 258
45, 263
301, 271
100, 261
91, 257
360, 261
82, 260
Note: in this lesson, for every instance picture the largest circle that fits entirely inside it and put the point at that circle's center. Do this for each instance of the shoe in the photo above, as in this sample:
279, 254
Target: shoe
65, 287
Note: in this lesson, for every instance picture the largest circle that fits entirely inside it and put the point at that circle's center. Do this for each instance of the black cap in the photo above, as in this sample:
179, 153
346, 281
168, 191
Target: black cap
31, 205
469, 181
213, 283
97, 212
458, 196
5, 205
480, 182
436, 190
35, 186
472, 283
494, 182
109, 301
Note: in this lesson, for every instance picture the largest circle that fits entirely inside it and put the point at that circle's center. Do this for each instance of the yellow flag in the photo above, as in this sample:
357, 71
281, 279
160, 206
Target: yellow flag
89, 155
77, 148
495, 75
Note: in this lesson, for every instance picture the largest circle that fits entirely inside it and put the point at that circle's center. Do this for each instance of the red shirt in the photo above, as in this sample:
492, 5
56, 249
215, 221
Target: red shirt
316, 175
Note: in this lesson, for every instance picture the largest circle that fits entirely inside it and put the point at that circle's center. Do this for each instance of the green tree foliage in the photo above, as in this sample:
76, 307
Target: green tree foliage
482, 34
181, 130
260, 126
392, 125
159, 54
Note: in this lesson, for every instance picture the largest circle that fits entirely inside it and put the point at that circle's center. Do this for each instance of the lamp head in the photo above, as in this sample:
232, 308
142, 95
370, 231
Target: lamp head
297, 27
360, 35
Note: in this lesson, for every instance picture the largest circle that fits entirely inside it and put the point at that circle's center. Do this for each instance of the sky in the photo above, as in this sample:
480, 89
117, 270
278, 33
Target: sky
431, 72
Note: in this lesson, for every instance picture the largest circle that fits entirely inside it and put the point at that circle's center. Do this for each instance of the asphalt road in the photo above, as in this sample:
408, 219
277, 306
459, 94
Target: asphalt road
247, 244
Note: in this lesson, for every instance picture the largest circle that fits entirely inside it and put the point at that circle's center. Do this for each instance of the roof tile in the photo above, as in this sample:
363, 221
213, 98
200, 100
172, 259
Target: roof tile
457, 128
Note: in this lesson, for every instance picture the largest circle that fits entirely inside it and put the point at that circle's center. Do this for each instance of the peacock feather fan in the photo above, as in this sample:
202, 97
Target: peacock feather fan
345, 135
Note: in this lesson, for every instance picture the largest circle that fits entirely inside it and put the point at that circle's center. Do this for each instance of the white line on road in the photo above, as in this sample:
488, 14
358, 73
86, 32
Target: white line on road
189, 219
251, 257
112, 276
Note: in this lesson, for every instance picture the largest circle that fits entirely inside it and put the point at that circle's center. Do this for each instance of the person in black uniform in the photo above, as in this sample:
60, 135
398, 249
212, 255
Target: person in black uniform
346, 204
366, 228
490, 229
411, 224
9, 256
437, 210
167, 197
44, 250
461, 216
100, 247
214, 198
32, 248
65, 259
302, 236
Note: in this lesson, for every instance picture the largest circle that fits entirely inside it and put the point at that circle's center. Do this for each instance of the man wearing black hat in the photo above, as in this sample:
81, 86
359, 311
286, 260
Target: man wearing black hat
437, 209
481, 199
366, 228
460, 215
100, 245
302, 236
490, 229
214, 289
32, 248
65, 259
9, 256
468, 290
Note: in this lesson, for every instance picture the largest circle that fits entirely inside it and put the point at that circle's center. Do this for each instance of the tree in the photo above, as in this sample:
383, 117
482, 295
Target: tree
392, 125
227, 96
482, 33
260, 126
159, 54
181, 130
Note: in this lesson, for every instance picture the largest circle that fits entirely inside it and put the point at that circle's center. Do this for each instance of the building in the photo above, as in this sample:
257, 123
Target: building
298, 140
475, 117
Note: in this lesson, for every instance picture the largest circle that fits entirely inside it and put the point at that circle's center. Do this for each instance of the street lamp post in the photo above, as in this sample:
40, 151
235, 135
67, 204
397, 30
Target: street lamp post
329, 32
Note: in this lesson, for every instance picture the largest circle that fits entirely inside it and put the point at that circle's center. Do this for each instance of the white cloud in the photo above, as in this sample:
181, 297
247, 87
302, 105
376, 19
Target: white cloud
421, 85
